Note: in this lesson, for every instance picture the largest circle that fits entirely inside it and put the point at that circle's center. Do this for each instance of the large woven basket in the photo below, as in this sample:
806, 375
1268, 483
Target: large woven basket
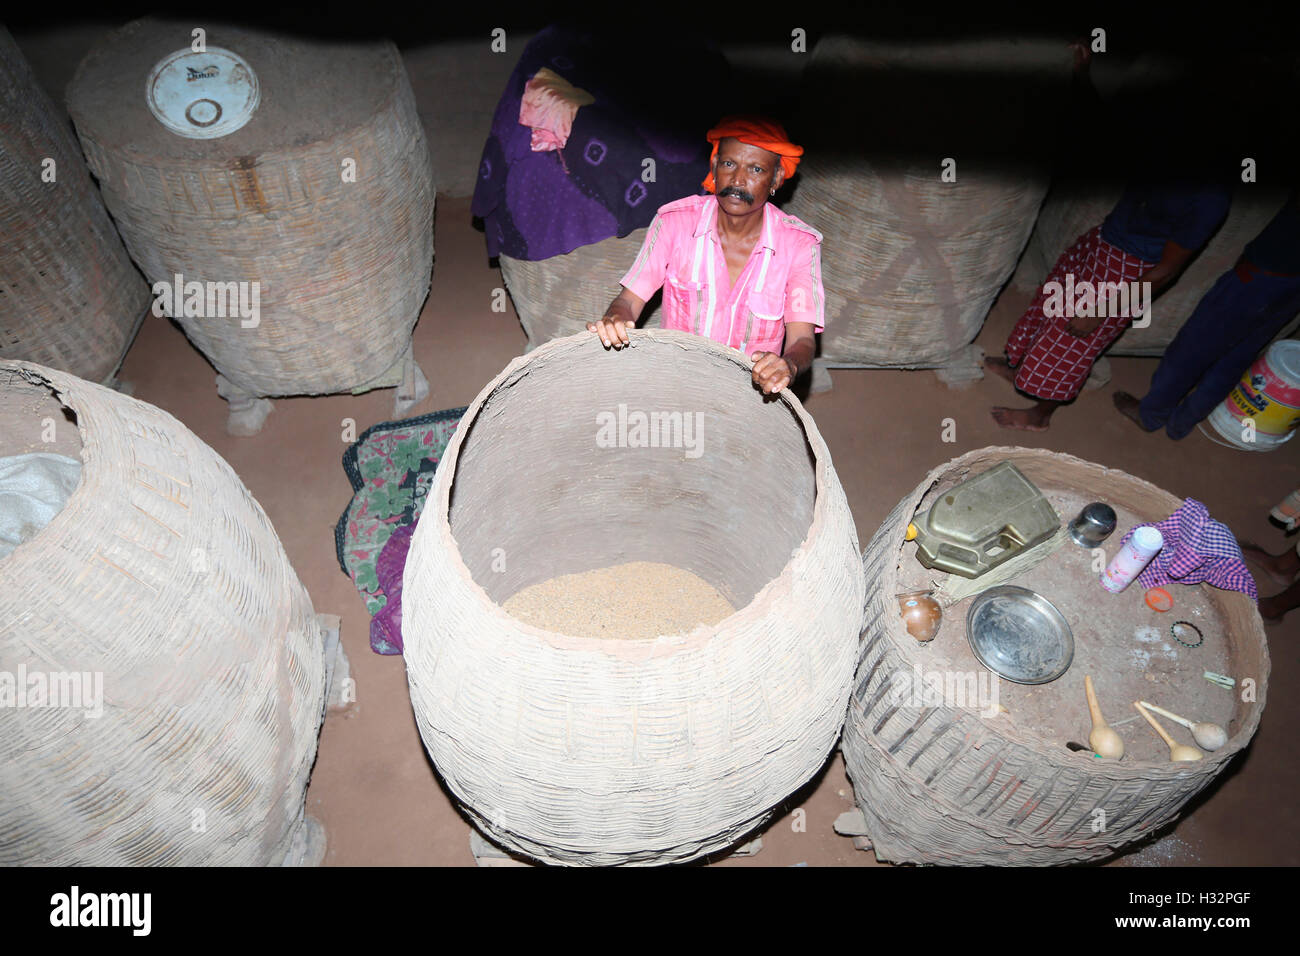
162, 574
579, 750
69, 296
343, 266
1073, 209
911, 264
558, 296
939, 783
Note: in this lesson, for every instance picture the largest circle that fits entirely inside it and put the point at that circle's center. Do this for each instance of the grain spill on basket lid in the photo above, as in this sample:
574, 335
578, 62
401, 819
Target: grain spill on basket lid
627, 601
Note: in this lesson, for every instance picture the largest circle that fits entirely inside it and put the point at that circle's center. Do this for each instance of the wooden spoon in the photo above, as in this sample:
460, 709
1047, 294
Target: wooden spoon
1178, 753
1208, 735
1104, 741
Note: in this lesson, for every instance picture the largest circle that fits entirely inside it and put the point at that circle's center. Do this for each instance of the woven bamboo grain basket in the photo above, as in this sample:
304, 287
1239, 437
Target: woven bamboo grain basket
1073, 209
162, 574
911, 264
69, 296
581, 750
343, 266
558, 296
939, 783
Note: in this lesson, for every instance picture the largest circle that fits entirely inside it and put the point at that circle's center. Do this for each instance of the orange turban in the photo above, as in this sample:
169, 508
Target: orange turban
754, 131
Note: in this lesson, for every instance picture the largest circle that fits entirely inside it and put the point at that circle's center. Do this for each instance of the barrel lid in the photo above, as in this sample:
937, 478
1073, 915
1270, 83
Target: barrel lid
1284, 357
202, 95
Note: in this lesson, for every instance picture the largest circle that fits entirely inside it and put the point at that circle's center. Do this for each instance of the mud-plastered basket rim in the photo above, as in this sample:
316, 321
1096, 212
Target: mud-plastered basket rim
1027, 798
62, 386
1127, 768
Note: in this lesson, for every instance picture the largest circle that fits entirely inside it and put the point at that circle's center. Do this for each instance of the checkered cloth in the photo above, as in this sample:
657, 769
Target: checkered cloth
1197, 548
1051, 363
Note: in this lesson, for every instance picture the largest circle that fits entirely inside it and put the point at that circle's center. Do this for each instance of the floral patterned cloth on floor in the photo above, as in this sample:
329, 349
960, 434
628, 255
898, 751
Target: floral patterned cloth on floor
391, 468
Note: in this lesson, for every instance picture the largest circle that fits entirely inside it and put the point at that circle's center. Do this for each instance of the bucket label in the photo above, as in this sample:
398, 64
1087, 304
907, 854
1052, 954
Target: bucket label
1273, 402
1263, 378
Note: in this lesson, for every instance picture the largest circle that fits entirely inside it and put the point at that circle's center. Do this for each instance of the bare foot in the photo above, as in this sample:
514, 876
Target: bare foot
1281, 568
1128, 406
1023, 419
1000, 367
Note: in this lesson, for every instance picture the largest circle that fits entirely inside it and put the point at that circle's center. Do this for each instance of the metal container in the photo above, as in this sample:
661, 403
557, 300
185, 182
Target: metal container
1095, 524
983, 522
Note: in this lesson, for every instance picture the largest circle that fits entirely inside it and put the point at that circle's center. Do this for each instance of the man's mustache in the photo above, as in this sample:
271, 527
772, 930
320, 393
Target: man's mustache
738, 193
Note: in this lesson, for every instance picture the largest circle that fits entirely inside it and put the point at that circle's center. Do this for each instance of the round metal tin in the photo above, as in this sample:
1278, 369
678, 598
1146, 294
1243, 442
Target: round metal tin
203, 95
1019, 635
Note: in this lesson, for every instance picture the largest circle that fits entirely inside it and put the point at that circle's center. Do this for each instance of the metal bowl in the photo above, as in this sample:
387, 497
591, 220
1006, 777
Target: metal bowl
1019, 635
1094, 525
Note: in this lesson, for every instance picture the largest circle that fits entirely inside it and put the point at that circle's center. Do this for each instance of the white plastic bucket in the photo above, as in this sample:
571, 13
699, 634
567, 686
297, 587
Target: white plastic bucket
1269, 395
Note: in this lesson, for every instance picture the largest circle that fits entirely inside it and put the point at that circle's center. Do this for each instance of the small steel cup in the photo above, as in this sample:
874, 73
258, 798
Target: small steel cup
1094, 525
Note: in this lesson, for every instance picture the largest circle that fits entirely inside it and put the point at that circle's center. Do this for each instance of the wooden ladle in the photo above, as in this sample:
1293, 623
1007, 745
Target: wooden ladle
1103, 740
1207, 735
1178, 753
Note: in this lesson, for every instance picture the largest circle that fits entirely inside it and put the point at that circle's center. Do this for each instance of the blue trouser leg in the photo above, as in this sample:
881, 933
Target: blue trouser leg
1270, 303
1207, 334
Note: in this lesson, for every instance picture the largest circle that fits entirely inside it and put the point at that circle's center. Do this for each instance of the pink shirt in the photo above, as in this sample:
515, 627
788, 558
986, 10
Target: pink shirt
781, 282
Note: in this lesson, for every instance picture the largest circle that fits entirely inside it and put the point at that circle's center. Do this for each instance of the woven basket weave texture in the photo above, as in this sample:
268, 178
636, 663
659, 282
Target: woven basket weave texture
343, 266
558, 296
940, 784
69, 296
911, 264
587, 751
164, 574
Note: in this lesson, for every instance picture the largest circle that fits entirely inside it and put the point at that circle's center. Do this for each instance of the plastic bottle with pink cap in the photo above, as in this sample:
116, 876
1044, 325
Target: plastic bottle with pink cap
1134, 555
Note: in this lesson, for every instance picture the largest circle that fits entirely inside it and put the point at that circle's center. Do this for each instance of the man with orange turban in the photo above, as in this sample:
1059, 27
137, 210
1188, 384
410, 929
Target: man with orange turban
733, 267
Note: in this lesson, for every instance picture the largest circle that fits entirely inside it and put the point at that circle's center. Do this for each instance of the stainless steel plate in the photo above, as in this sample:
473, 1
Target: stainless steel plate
1020, 635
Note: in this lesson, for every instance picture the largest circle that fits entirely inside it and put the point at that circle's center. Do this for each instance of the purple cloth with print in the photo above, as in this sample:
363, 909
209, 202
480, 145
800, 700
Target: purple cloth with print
386, 625
535, 205
1197, 549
